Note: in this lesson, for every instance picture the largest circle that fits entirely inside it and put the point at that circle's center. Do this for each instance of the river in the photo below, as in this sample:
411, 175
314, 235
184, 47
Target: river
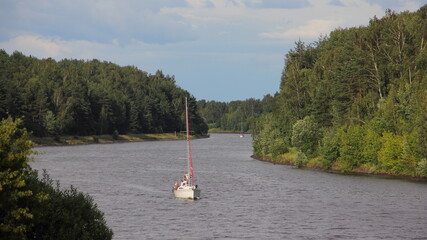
242, 198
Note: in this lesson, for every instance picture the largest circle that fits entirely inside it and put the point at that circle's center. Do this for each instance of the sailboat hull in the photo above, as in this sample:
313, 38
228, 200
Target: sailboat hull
187, 192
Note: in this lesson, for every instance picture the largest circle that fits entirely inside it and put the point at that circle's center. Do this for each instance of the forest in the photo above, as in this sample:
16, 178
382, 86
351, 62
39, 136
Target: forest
77, 97
353, 101
234, 116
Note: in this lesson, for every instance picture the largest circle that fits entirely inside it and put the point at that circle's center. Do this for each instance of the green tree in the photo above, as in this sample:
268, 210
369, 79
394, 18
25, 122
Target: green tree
330, 148
366, 88
371, 145
351, 147
51, 124
268, 138
390, 154
234, 116
14, 150
422, 167
79, 216
89, 97
306, 135
34, 209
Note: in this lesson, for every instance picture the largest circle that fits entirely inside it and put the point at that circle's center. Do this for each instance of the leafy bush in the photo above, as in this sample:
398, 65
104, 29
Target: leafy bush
116, 135
371, 146
268, 139
14, 150
422, 167
63, 214
300, 160
351, 147
329, 149
306, 134
390, 154
34, 209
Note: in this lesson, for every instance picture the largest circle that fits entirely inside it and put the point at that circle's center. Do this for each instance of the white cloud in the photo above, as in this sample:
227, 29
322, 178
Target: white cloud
308, 21
320, 18
186, 38
37, 45
313, 29
197, 3
145, 56
57, 48
171, 21
99, 21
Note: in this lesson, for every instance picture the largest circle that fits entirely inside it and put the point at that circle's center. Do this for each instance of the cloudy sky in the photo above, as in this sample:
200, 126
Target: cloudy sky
219, 50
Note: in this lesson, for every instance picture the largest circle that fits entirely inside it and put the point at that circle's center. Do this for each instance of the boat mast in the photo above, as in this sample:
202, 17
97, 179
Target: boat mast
189, 154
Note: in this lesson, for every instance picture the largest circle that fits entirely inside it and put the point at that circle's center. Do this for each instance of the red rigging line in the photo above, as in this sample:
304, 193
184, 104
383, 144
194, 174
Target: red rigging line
189, 152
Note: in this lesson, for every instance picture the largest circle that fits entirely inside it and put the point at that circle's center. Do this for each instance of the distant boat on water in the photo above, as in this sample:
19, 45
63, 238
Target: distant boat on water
187, 189
241, 130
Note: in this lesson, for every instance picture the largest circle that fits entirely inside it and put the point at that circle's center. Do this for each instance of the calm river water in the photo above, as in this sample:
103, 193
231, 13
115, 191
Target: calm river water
242, 198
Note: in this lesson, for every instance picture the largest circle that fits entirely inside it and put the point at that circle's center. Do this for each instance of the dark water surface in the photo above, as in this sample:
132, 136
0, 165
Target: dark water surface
242, 198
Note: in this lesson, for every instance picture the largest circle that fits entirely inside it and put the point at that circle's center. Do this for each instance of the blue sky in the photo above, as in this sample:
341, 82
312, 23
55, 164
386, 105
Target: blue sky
219, 50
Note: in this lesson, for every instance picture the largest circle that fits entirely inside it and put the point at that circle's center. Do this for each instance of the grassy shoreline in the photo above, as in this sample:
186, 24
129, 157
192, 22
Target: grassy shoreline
218, 130
357, 172
103, 139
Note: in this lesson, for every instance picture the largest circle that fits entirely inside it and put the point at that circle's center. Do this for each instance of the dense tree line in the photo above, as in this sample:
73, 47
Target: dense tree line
235, 116
355, 100
36, 208
76, 97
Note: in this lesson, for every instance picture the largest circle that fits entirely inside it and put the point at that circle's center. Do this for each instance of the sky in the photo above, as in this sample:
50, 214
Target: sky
220, 50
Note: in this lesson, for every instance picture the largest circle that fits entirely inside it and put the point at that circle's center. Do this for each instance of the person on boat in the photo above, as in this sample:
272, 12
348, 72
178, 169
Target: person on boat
183, 183
175, 186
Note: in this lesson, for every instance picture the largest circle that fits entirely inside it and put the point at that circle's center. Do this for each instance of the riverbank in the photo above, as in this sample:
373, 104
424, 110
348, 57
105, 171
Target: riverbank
218, 130
102, 139
357, 171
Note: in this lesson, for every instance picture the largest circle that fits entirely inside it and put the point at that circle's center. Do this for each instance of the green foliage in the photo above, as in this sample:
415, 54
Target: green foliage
268, 139
14, 150
33, 209
351, 147
422, 167
371, 144
294, 87
330, 148
116, 135
75, 97
198, 125
235, 116
365, 88
300, 160
79, 216
306, 134
390, 154
51, 124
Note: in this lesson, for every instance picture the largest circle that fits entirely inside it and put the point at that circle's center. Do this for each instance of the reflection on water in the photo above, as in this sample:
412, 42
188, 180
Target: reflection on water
241, 197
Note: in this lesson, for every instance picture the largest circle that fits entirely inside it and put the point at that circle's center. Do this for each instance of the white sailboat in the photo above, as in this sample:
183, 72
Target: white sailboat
187, 189
241, 129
